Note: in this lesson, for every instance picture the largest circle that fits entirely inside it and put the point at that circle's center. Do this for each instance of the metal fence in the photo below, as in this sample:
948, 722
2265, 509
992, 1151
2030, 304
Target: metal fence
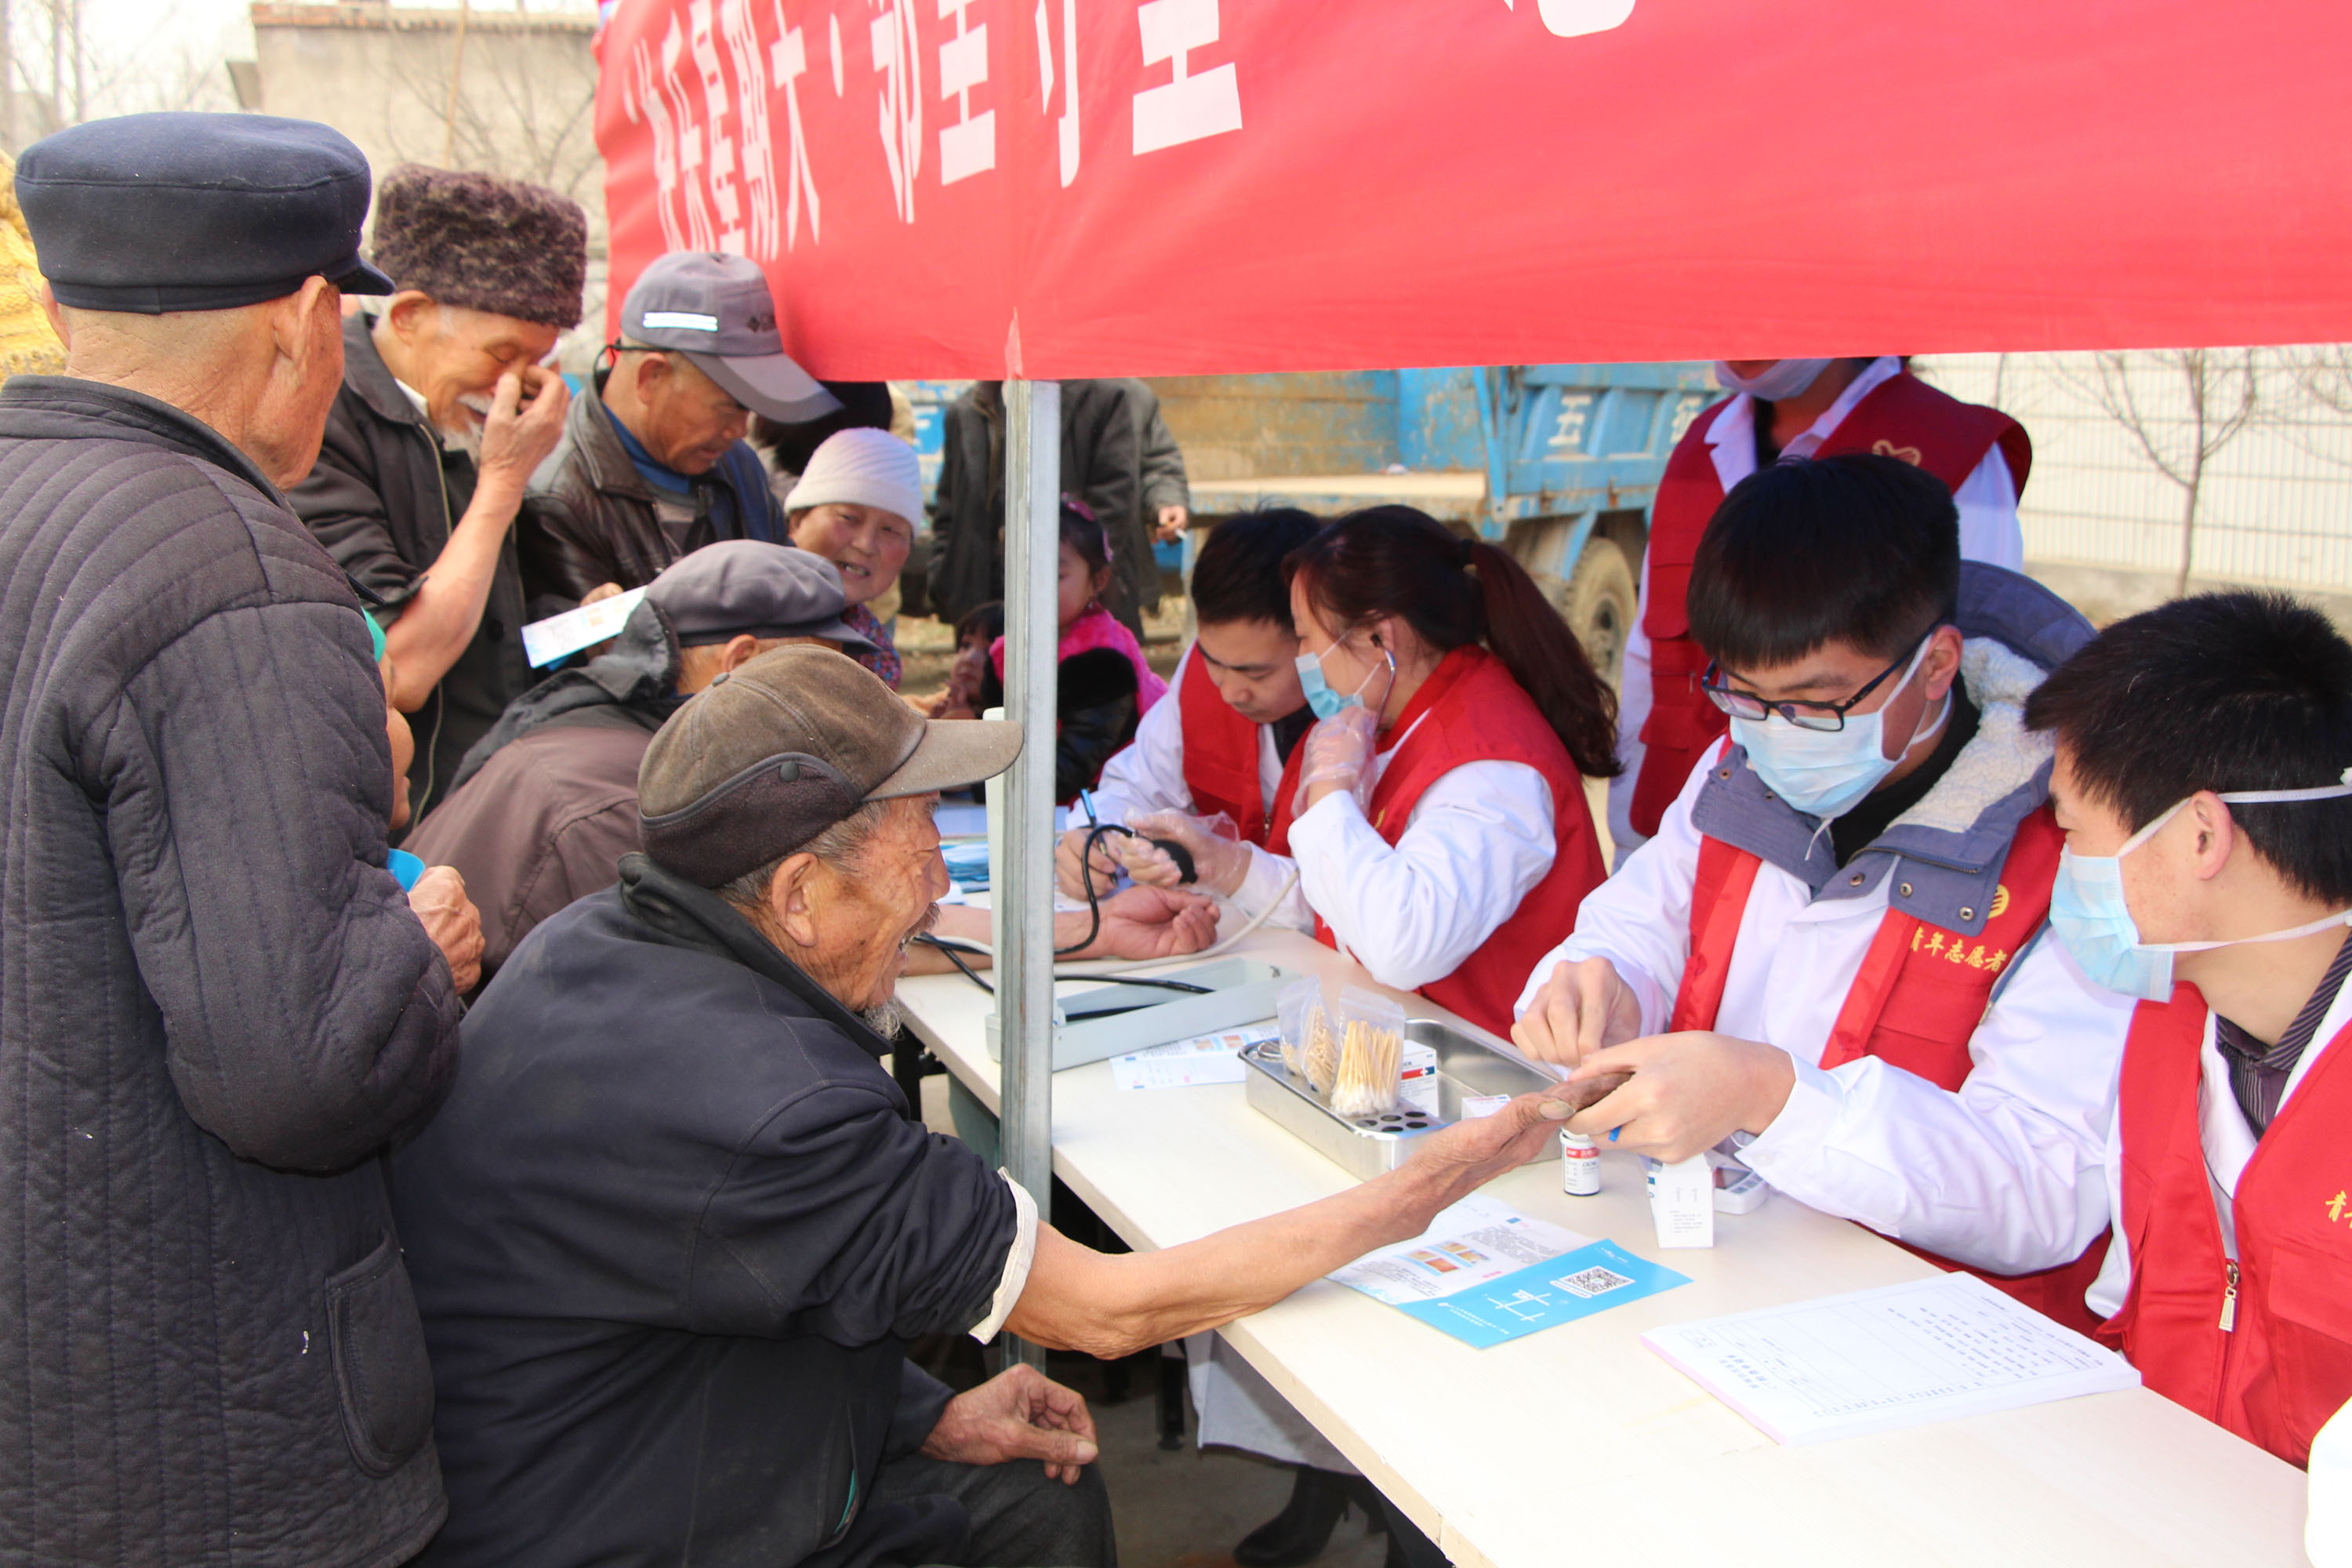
2276, 502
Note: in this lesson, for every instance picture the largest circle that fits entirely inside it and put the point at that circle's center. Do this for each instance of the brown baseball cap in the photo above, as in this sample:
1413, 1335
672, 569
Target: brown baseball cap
767, 757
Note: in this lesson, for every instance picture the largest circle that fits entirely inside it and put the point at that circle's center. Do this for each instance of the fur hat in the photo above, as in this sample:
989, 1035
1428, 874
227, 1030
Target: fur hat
486, 244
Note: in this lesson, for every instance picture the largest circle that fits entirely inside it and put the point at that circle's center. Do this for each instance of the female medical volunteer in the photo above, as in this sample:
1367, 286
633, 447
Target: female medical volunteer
1435, 815
1436, 819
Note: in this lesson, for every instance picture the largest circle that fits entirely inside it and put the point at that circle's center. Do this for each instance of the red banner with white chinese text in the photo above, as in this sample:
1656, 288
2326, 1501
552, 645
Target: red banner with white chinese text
1083, 187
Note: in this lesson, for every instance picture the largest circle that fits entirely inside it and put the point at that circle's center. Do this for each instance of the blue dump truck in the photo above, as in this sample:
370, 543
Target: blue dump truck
1557, 463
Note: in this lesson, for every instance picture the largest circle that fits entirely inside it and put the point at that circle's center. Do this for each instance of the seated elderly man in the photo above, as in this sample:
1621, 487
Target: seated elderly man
674, 1226
653, 462
443, 416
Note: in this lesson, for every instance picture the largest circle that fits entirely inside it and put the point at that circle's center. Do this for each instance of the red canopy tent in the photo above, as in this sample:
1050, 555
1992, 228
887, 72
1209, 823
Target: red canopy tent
1036, 187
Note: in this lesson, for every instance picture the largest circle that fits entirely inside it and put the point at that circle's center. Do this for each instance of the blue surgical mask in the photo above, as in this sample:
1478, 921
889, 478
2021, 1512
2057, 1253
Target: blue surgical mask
1787, 378
1325, 703
2088, 912
1828, 773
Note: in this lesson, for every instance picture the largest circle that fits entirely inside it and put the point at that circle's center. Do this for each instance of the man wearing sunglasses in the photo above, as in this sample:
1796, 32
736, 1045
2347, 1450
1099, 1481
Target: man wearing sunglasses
1825, 960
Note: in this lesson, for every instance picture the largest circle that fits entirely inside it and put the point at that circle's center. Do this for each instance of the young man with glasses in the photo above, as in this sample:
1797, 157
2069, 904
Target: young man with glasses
1824, 961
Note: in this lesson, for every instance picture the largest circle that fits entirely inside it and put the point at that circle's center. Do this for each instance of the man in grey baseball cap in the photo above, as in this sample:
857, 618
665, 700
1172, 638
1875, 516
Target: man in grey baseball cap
676, 1223
546, 803
653, 463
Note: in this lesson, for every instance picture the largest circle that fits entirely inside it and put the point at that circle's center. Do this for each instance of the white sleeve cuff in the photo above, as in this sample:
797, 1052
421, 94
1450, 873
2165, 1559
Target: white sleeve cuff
1805, 1122
1262, 884
1016, 1262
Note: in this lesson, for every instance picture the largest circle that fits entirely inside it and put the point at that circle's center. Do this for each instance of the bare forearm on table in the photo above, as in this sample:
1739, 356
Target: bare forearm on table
1114, 1305
439, 619
962, 923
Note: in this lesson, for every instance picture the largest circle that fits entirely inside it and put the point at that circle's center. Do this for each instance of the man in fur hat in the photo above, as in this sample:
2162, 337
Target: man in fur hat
445, 411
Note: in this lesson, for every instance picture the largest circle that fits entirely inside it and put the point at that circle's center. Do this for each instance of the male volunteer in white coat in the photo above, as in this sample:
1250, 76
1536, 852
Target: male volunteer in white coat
1826, 953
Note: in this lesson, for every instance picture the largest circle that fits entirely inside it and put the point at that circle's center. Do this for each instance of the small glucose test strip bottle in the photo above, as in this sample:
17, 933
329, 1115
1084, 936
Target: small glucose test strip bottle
1579, 1165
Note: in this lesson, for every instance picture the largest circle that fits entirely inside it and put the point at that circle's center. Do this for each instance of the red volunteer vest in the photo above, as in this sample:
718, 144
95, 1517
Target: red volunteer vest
1914, 1003
2273, 1361
1221, 752
1471, 711
1903, 417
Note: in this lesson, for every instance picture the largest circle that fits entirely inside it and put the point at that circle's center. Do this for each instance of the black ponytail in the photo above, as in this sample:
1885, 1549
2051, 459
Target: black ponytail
1395, 560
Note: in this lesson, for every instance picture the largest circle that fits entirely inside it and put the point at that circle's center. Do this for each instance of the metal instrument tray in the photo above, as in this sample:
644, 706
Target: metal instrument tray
1366, 1145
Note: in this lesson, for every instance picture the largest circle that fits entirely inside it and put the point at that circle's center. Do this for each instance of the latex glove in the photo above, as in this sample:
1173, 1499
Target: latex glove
1586, 1006
1339, 757
1148, 922
1218, 864
1066, 851
1019, 1414
439, 903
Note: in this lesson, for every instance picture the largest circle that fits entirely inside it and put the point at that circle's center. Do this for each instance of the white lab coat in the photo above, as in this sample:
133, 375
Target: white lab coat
1990, 533
1477, 841
2000, 1175
2229, 1141
1147, 774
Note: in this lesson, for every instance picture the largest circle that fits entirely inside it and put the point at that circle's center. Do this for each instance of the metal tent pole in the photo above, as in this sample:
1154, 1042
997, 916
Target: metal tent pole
1025, 881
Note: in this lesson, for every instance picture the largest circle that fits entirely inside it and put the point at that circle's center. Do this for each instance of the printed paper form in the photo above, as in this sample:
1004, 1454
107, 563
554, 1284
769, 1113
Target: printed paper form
1876, 1360
544, 642
1475, 1240
1182, 1064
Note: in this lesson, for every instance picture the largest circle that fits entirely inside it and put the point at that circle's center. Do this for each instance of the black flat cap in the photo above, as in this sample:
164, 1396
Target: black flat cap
150, 213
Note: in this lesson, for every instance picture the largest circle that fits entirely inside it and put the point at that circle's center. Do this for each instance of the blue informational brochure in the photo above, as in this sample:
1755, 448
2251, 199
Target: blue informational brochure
1589, 1279
1485, 1273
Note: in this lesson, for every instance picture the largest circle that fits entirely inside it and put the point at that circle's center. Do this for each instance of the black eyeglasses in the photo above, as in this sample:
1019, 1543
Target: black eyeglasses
1828, 717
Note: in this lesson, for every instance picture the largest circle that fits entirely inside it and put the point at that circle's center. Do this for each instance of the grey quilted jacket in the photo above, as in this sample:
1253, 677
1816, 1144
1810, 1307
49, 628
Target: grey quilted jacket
216, 1010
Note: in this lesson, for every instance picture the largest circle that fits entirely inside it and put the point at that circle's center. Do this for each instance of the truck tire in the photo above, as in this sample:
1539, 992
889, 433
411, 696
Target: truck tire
1599, 606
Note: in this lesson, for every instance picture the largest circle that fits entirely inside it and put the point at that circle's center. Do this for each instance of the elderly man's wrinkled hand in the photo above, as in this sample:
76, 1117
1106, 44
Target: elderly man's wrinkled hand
517, 435
1172, 522
1453, 1164
1019, 1414
439, 903
1153, 922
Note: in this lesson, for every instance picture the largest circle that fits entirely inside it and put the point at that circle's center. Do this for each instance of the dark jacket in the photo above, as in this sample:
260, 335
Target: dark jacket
596, 520
1100, 465
215, 1008
669, 1235
1161, 460
383, 500
546, 803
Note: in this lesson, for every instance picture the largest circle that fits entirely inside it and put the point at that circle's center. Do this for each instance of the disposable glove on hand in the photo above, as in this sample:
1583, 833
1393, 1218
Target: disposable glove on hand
1339, 757
1219, 863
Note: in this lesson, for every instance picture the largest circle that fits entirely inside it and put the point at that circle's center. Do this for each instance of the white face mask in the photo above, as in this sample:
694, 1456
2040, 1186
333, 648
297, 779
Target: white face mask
1828, 773
1787, 378
2088, 913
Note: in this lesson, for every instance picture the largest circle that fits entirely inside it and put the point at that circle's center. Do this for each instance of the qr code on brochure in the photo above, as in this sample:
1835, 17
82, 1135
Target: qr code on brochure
1594, 1281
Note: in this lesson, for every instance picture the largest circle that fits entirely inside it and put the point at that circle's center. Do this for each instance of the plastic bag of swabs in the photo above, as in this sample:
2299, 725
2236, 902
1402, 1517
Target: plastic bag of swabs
1349, 1052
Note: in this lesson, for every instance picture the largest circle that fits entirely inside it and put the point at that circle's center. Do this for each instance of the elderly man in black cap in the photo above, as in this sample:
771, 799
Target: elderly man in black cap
215, 1008
654, 461
446, 411
673, 1227
546, 803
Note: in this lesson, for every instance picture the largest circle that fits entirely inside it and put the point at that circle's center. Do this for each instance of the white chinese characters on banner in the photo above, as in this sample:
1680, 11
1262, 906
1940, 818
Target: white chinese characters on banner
757, 150
899, 61
787, 63
1067, 125
968, 147
713, 130
1193, 104
699, 233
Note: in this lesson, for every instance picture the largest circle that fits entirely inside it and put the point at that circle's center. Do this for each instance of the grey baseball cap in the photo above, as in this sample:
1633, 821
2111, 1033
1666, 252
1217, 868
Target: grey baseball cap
716, 310
772, 754
748, 587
